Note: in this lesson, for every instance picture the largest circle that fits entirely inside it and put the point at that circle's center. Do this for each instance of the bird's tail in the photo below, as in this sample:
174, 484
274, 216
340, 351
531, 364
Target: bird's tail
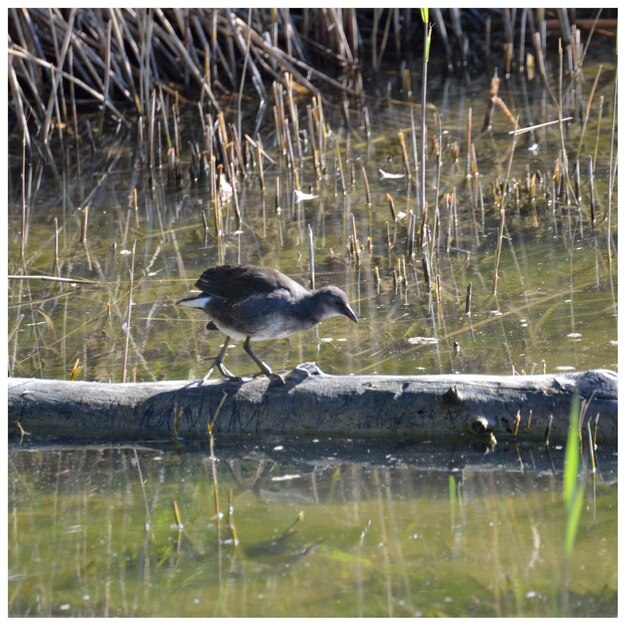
196, 302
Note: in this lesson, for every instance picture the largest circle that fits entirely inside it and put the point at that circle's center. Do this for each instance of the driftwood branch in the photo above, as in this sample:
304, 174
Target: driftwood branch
312, 403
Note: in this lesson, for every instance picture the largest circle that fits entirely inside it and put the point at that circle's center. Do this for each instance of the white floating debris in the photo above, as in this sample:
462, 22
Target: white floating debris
277, 479
565, 368
384, 175
423, 341
300, 196
574, 336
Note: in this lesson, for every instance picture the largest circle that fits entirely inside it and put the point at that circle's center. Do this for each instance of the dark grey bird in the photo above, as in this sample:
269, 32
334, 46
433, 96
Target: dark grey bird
258, 303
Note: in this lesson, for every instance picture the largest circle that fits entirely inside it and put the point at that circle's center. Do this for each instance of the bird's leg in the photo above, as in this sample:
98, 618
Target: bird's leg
265, 368
218, 363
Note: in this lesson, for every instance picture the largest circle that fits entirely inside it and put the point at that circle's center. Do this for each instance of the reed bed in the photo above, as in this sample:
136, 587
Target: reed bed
118, 59
228, 105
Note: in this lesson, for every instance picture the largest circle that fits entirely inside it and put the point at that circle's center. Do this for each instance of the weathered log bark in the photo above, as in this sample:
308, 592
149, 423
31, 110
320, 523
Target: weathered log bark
312, 403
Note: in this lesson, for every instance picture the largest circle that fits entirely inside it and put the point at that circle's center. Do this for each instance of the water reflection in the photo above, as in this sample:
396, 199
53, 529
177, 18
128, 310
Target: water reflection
303, 528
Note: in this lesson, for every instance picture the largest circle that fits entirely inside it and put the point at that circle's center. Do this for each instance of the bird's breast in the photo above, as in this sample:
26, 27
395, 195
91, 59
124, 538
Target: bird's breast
262, 318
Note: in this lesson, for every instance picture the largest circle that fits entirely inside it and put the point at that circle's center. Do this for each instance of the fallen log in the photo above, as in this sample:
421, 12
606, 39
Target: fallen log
313, 403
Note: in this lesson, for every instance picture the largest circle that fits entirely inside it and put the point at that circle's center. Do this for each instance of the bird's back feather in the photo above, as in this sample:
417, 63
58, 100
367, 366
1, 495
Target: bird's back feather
235, 282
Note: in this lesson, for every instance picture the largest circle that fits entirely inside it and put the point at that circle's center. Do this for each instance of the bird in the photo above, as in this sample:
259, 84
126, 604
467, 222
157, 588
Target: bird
260, 303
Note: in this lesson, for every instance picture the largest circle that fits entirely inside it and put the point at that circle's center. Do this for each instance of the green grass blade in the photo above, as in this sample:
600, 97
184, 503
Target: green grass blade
572, 454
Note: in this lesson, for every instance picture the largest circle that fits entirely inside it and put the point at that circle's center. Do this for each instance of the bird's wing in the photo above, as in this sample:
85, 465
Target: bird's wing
236, 281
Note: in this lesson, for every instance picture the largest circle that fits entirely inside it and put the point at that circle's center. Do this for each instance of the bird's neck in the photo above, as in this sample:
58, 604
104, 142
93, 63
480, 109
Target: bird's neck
311, 307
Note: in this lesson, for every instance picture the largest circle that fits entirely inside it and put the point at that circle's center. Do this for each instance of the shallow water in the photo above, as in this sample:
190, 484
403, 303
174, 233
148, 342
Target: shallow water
323, 528
555, 308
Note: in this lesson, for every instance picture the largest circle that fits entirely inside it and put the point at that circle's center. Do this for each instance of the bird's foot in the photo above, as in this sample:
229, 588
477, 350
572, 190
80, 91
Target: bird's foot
226, 373
277, 377
267, 371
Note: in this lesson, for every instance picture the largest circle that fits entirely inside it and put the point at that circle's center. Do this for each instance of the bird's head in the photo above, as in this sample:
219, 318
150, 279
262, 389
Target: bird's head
331, 301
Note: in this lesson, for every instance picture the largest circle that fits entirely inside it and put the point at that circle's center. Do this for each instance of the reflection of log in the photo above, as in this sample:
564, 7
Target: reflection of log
312, 403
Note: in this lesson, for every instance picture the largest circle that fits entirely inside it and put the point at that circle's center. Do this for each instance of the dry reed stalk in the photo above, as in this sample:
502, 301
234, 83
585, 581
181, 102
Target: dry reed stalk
366, 184
355, 240
129, 314
539, 48
564, 158
231, 520
599, 126
55, 279
178, 518
468, 144
311, 257
259, 159
592, 195
56, 266
18, 101
494, 287
291, 161
342, 177
507, 46
405, 156
313, 143
293, 116
588, 112
25, 201
235, 196
392, 207
322, 132
377, 278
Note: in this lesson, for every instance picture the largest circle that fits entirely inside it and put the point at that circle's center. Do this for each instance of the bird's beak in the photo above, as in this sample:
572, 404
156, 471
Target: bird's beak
348, 312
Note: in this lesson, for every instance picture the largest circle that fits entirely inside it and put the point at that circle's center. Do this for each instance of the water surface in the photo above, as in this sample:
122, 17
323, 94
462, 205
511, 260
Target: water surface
316, 528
